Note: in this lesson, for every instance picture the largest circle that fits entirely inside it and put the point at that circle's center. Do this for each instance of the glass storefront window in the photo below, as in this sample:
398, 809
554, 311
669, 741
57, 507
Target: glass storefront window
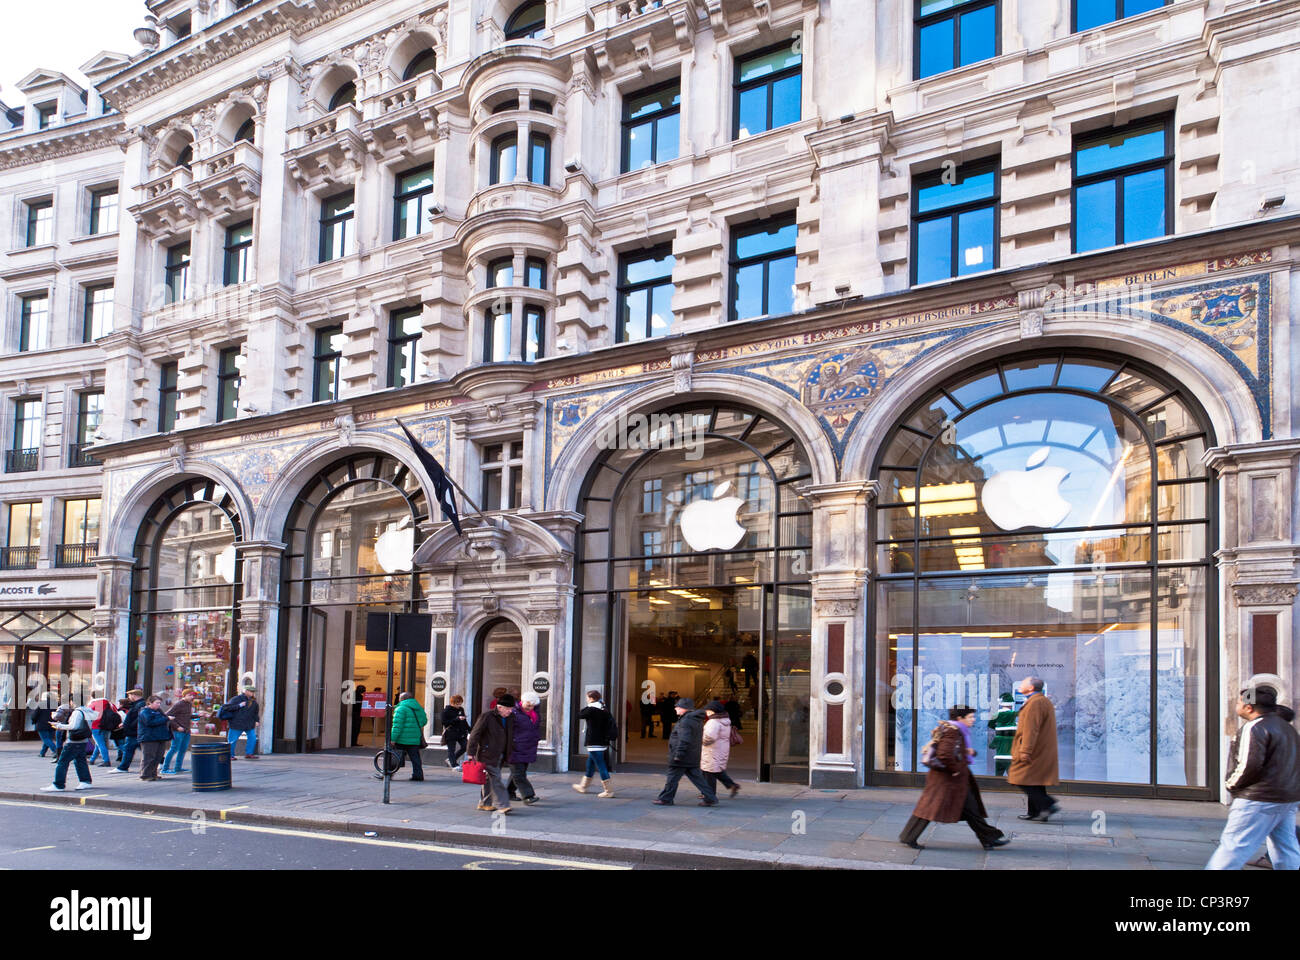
1048, 516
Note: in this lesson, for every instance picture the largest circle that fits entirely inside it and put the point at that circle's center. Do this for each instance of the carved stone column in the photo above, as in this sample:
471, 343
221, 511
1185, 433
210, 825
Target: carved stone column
114, 646
1258, 563
839, 643
259, 622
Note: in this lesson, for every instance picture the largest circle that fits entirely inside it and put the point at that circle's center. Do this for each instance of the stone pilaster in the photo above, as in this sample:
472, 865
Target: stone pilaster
112, 622
259, 622
839, 572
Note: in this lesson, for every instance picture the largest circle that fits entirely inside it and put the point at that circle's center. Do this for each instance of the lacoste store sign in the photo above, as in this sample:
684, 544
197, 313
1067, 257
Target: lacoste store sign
48, 590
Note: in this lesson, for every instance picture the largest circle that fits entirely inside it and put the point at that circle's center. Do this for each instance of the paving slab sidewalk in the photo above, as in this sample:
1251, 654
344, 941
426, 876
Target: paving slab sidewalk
767, 826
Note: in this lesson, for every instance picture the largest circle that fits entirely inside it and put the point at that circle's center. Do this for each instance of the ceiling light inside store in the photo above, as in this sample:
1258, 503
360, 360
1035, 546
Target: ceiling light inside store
968, 557
941, 499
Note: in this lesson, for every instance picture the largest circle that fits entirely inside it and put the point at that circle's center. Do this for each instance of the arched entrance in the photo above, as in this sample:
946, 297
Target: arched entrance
498, 663
1050, 514
186, 588
694, 562
349, 535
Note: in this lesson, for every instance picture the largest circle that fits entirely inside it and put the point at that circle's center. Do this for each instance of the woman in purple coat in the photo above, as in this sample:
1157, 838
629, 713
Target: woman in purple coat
528, 733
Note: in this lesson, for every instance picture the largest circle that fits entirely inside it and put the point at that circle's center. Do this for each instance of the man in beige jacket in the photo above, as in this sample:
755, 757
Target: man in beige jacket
1034, 765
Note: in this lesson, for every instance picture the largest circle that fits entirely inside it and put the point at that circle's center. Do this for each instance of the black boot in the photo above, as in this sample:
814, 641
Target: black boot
912, 832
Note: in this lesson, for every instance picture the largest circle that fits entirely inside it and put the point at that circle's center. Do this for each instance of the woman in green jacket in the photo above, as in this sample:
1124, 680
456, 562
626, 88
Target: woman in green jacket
408, 731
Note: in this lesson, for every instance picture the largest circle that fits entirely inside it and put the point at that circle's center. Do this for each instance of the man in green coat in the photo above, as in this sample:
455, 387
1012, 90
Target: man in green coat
409, 721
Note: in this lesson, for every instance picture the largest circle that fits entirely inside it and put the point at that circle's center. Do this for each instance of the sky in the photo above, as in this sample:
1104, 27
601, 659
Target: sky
61, 35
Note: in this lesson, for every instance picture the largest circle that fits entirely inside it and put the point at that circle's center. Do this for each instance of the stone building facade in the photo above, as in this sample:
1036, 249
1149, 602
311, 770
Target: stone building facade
844, 361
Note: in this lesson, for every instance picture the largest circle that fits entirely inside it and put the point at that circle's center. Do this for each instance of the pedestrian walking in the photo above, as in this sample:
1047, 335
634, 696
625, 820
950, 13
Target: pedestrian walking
43, 723
600, 733
358, 701
106, 721
490, 742
647, 716
668, 713
153, 730
242, 712
179, 717
684, 749
1264, 780
118, 736
715, 750
407, 734
130, 727
528, 733
1034, 765
455, 730
73, 751
951, 793
62, 714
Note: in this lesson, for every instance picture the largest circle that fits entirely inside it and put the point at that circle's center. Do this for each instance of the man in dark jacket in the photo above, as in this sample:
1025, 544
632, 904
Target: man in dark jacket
242, 712
154, 733
43, 723
1264, 780
668, 715
684, 746
130, 723
490, 743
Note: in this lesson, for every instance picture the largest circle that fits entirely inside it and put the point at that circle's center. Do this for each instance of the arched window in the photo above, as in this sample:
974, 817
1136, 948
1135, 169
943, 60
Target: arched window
503, 163
528, 21
1048, 515
346, 94
424, 62
186, 156
350, 538
187, 591
693, 563
247, 130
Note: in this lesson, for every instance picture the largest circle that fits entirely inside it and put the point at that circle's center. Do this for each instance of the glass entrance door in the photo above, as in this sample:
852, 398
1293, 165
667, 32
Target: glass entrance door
9, 694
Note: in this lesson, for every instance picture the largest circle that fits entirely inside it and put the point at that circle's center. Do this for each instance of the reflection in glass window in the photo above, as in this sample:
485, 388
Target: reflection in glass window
762, 268
954, 33
768, 90
1054, 467
1094, 13
645, 294
1122, 185
651, 125
405, 328
411, 199
954, 222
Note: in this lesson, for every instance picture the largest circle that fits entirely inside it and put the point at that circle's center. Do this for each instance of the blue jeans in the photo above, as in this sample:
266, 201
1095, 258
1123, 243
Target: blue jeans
101, 746
128, 753
1250, 823
233, 736
74, 752
596, 762
180, 743
47, 742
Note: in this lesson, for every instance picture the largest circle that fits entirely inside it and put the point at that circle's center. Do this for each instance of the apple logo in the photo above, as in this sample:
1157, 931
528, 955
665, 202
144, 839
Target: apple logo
395, 546
1027, 498
711, 524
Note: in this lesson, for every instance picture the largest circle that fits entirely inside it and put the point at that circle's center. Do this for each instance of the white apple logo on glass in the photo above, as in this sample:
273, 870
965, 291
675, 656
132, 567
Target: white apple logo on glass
395, 546
711, 524
1027, 498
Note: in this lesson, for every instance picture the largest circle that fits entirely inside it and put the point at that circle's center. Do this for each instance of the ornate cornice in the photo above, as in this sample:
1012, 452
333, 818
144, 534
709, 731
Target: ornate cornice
1265, 594
58, 144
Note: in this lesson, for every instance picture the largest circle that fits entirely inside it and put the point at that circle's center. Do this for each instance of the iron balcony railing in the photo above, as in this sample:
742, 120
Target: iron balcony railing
78, 457
18, 558
21, 461
75, 554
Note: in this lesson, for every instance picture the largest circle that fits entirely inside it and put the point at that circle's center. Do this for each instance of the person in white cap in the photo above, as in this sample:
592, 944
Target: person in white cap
523, 749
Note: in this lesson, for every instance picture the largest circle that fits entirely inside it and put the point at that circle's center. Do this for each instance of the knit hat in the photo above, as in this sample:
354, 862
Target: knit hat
506, 700
686, 703
715, 706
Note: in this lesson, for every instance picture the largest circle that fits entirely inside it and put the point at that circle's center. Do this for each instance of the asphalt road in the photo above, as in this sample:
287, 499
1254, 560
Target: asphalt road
35, 836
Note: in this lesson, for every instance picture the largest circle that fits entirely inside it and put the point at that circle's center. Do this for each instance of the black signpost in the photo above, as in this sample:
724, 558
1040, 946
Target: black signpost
410, 633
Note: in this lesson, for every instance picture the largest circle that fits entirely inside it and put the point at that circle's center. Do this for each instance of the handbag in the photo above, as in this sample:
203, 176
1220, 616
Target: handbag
471, 771
736, 738
930, 754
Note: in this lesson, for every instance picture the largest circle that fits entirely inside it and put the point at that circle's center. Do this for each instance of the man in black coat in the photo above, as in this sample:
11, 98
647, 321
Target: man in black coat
129, 725
684, 746
490, 743
667, 715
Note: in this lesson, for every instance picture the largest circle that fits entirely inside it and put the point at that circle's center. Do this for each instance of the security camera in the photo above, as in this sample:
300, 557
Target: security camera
572, 166
1272, 203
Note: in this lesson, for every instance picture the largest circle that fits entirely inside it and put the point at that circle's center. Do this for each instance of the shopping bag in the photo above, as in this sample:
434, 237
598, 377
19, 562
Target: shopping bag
471, 771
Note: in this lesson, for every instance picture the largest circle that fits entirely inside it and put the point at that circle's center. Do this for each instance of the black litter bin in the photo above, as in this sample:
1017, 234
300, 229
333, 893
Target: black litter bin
210, 766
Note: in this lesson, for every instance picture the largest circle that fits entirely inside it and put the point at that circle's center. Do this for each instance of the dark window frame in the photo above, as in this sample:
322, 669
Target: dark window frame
46, 114
88, 319
934, 178
1119, 14
247, 132
397, 343
1084, 140
510, 470
770, 80
345, 95
954, 13
653, 119
414, 68
528, 30
327, 223
533, 138
736, 263
177, 264
25, 320
324, 357
494, 158
532, 313
166, 418
417, 195
228, 377
34, 209
237, 253
624, 288
96, 210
